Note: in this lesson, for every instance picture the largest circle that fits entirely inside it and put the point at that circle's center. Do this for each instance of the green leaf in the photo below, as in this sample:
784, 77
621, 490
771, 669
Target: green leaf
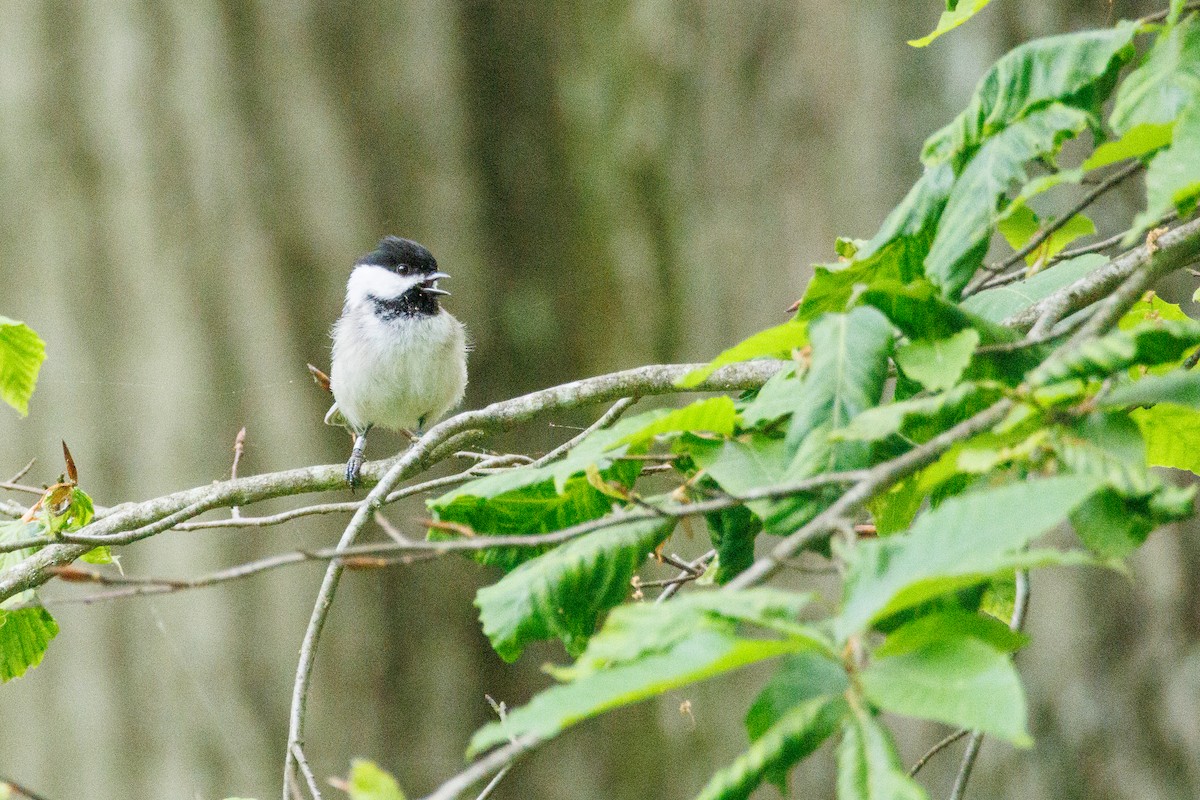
525, 511
1172, 435
777, 342
704, 654
950, 20
368, 782
868, 766
849, 369
1148, 344
976, 201
21, 355
636, 630
948, 667
1107, 525
1108, 446
1138, 141
563, 592
797, 734
733, 532
774, 400
24, 636
920, 312
800, 678
1159, 89
960, 543
938, 363
1021, 224
714, 415
997, 305
1150, 308
920, 419
530, 500
1180, 388
1173, 178
1077, 69
896, 252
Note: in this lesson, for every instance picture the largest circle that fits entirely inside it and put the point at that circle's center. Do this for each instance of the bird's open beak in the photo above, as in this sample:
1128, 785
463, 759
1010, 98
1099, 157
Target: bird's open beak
429, 285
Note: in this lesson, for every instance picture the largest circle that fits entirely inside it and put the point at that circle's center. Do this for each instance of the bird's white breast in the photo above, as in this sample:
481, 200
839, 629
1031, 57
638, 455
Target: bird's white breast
395, 373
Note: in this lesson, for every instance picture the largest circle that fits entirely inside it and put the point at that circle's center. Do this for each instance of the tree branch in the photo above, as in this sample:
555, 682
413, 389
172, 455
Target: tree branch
120, 521
1175, 249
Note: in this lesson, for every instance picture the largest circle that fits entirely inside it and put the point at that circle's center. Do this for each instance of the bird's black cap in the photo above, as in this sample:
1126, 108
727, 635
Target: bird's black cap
400, 255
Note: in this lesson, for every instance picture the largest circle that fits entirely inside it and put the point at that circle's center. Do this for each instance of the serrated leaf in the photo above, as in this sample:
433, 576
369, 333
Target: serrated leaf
948, 668
868, 765
920, 312
367, 781
937, 364
800, 678
1078, 69
21, 355
777, 342
960, 543
976, 201
635, 630
849, 369
563, 592
950, 20
997, 305
796, 735
1147, 344
1109, 447
713, 415
24, 636
704, 654
528, 510
1158, 90
1136, 142
921, 418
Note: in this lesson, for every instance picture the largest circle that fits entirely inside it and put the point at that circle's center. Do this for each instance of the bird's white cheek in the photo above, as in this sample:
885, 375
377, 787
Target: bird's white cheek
367, 280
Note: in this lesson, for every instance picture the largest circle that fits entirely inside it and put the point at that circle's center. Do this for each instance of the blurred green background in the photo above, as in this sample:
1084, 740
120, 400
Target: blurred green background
185, 185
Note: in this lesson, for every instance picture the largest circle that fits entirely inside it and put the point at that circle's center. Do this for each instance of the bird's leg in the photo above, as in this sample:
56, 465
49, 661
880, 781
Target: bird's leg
356, 458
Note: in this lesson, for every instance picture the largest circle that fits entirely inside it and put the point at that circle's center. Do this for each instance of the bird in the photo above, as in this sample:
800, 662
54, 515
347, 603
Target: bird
399, 359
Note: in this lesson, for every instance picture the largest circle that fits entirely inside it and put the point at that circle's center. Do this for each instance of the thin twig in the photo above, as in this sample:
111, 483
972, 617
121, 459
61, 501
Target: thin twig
688, 572
1049, 230
306, 770
1176, 248
239, 447
1020, 609
477, 771
937, 748
22, 471
609, 417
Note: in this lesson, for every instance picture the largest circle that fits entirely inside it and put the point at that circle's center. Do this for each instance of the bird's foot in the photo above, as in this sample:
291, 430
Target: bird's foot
357, 456
353, 467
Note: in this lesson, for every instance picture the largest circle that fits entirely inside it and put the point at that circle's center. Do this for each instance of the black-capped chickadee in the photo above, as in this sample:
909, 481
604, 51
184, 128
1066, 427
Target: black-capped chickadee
399, 358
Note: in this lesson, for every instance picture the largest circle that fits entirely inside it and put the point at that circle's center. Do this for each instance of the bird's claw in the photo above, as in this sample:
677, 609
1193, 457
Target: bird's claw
353, 466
